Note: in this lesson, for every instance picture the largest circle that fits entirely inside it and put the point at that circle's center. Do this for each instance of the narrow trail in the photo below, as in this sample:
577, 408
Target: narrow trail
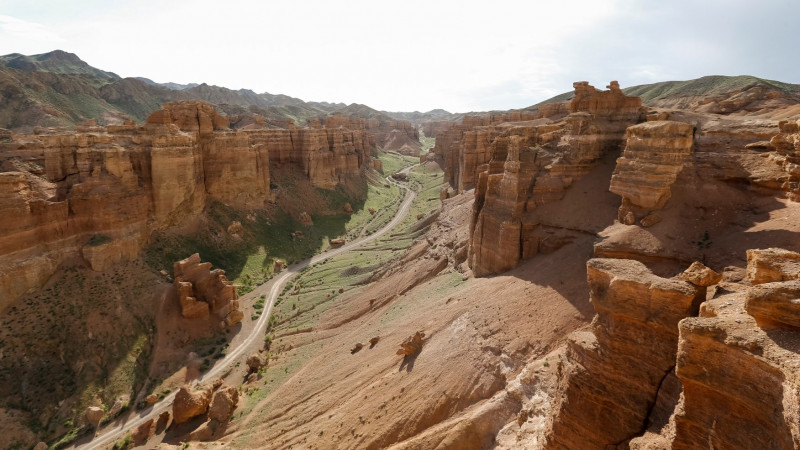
272, 289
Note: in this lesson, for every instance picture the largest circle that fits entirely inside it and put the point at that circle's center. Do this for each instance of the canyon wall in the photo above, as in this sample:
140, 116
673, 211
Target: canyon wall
610, 375
517, 166
653, 157
396, 135
666, 366
98, 194
739, 362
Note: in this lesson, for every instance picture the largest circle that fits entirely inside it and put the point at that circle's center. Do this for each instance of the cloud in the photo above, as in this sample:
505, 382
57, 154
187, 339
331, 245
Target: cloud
22, 36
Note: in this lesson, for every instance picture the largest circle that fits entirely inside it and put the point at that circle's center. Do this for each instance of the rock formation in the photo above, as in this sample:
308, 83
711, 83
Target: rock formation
772, 264
223, 403
525, 165
202, 290
610, 375
739, 364
654, 155
99, 194
787, 155
412, 345
190, 403
94, 415
255, 362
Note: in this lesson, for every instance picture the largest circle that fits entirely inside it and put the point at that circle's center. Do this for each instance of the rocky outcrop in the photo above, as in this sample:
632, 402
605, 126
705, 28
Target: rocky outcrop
412, 345
94, 415
610, 376
326, 156
223, 403
388, 134
526, 165
738, 364
202, 290
772, 264
190, 403
787, 156
654, 154
255, 362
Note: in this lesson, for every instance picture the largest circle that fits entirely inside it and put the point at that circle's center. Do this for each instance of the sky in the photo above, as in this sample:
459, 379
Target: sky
414, 55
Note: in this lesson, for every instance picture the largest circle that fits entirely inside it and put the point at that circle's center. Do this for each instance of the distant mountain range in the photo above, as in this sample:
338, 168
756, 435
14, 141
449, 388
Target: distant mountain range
60, 89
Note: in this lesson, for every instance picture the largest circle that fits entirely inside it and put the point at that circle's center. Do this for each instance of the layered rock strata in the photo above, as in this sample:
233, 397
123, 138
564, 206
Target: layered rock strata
520, 166
739, 364
610, 376
202, 290
787, 156
397, 135
100, 194
654, 155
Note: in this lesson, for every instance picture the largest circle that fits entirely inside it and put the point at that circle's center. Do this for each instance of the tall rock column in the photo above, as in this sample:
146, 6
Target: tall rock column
610, 376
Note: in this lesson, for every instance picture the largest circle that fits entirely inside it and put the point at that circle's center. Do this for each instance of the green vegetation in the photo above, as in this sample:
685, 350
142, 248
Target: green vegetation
317, 288
124, 444
427, 142
271, 235
99, 239
109, 338
709, 85
68, 438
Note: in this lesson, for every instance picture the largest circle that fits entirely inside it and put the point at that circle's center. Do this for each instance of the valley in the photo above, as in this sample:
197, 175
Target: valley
191, 267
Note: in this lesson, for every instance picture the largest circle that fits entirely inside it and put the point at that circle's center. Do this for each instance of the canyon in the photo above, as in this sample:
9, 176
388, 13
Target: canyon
610, 269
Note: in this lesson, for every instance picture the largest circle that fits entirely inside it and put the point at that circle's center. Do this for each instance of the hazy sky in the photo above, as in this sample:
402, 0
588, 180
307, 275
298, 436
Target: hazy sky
414, 55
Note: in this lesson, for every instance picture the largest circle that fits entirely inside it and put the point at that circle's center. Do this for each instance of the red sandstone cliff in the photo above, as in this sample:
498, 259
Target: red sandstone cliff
517, 166
100, 193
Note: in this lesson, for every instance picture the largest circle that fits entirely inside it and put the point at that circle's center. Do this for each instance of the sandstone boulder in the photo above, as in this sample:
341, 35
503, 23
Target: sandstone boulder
412, 345
278, 266
40, 446
337, 241
236, 229
234, 317
151, 399
143, 433
94, 415
347, 208
163, 421
190, 403
777, 302
356, 348
222, 405
772, 264
700, 275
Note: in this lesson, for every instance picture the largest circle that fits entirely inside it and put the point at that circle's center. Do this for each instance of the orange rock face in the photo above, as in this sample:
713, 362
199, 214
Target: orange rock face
202, 290
190, 403
738, 364
101, 193
611, 375
524, 165
654, 155
787, 156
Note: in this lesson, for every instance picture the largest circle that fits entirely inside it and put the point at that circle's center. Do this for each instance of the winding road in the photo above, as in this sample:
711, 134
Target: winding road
113, 433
